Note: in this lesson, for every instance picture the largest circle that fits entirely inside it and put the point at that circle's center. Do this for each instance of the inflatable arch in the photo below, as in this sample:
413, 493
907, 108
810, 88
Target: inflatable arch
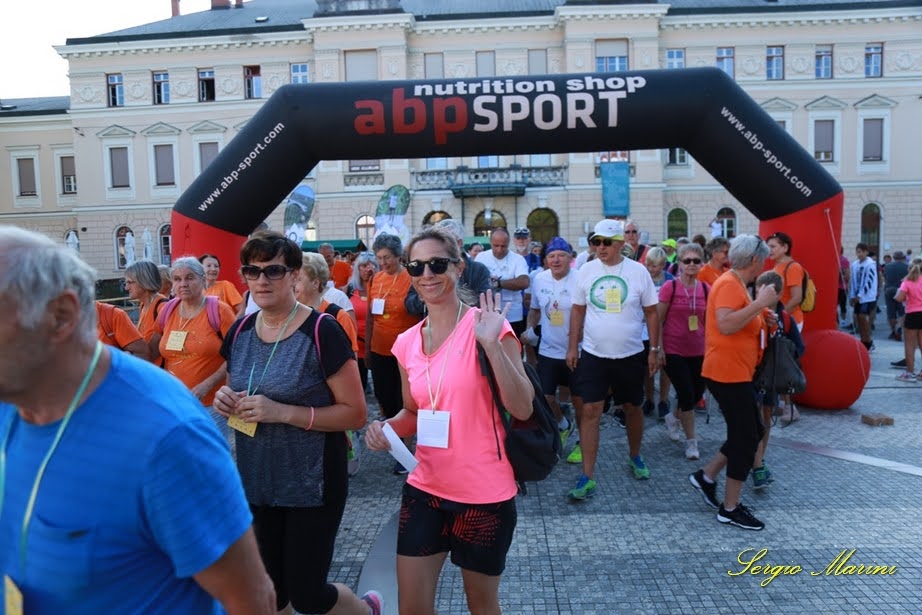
701, 110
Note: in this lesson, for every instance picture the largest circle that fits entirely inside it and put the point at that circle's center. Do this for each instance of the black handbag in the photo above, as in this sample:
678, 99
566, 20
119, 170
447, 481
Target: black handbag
780, 371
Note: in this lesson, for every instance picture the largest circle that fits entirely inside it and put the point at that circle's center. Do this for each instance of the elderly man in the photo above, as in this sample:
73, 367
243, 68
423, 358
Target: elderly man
119, 494
614, 296
632, 237
475, 277
508, 275
340, 271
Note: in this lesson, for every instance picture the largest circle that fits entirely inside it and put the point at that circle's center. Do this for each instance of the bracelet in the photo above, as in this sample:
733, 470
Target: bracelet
655, 348
311, 424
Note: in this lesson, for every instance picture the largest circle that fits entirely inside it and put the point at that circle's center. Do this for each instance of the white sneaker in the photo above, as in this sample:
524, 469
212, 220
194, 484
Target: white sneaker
673, 426
691, 449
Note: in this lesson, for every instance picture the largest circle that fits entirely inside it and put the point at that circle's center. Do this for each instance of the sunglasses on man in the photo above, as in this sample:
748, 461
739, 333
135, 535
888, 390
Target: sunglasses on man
437, 266
602, 241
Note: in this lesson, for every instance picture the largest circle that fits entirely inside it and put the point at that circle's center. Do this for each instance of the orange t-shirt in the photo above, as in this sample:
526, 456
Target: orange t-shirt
708, 274
793, 278
200, 356
340, 273
346, 322
114, 327
226, 292
149, 316
730, 358
395, 320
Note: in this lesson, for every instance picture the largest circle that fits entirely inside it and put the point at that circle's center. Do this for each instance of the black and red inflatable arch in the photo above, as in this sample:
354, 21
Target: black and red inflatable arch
701, 110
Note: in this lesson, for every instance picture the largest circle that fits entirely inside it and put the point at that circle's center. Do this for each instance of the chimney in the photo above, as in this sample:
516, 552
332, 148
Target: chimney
174, 4
220, 4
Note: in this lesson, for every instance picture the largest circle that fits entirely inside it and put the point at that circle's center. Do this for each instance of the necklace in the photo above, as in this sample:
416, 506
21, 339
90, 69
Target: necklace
284, 323
433, 399
251, 390
182, 325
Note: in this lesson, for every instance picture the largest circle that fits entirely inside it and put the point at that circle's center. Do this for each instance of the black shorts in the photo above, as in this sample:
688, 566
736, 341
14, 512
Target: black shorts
554, 373
865, 308
518, 327
477, 535
625, 377
913, 320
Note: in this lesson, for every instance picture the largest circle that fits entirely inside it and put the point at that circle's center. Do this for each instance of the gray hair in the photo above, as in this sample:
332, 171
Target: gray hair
36, 270
746, 250
146, 274
454, 227
315, 266
655, 255
324, 245
188, 262
361, 259
716, 244
689, 247
388, 242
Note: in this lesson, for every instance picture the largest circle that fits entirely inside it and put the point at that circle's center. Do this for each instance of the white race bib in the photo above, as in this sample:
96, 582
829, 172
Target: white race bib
432, 428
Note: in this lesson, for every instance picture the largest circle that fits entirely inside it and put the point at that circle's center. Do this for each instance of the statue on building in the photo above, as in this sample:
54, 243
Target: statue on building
130, 255
72, 240
148, 245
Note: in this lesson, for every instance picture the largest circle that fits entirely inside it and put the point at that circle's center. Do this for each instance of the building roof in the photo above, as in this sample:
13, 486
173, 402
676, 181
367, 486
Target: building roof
287, 15
49, 105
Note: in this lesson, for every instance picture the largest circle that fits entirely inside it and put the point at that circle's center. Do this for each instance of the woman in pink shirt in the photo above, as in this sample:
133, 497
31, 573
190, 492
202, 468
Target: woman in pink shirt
910, 294
461, 496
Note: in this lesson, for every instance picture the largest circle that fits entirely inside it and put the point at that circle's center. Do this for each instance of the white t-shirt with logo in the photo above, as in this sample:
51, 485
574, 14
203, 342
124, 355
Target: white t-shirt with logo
551, 296
608, 333
509, 267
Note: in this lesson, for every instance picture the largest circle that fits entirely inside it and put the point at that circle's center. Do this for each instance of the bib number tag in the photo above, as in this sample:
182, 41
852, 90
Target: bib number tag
176, 341
235, 422
613, 300
556, 318
693, 322
432, 428
13, 597
377, 306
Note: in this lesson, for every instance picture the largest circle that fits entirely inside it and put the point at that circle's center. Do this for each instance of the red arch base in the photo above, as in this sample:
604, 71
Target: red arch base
837, 367
194, 238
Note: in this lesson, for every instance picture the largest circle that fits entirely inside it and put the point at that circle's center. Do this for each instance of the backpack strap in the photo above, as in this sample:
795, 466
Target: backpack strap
157, 305
487, 372
214, 315
320, 315
240, 326
166, 312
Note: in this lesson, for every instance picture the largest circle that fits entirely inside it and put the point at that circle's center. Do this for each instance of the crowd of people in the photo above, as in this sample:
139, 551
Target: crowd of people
259, 396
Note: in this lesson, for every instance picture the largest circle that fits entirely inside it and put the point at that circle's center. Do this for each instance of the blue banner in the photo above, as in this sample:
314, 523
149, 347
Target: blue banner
616, 189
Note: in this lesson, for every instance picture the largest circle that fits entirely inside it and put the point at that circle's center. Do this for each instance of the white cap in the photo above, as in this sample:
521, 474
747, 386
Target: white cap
613, 229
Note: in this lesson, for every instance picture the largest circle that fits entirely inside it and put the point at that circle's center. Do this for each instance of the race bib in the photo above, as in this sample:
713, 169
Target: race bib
377, 306
176, 341
235, 422
556, 318
13, 597
432, 428
613, 300
693, 322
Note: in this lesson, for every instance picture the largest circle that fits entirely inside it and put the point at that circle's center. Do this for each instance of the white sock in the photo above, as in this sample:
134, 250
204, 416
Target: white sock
563, 424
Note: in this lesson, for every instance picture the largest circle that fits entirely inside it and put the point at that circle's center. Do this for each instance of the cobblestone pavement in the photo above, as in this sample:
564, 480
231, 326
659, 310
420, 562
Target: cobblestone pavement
654, 547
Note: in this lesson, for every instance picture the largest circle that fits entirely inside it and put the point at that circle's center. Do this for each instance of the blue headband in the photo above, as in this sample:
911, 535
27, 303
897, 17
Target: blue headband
558, 243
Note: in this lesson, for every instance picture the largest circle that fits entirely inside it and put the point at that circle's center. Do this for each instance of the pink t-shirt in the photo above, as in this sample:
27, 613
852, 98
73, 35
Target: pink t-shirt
683, 303
913, 290
469, 470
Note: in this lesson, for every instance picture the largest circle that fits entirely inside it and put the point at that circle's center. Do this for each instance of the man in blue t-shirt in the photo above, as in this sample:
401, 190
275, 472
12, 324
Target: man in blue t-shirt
118, 494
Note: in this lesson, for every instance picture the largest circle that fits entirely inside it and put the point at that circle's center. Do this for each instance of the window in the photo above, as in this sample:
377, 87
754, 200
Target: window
163, 165
774, 63
365, 230
873, 140
434, 65
727, 218
252, 82
622, 155
161, 88
68, 175
676, 156
26, 174
118, 167
823, 62
870, 227
207, 152
166, 245
486, 63
537, 61
675, 58
874, 60
435, 164
206, 90
677, 223
116, 90
311, 233
124, 247
488, 162
299, 73
539, 160
726, 59
543, 224
610, 56
486, 221
362, 65
358, 166
436, 216
824, 140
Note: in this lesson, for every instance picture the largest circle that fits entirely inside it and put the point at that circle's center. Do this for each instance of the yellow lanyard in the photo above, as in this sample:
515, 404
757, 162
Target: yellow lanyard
438, 388
30, 505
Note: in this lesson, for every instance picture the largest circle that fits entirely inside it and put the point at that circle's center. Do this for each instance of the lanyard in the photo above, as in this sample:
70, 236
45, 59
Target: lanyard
694, 296
250, 389
451, 341
30, 505
182, 325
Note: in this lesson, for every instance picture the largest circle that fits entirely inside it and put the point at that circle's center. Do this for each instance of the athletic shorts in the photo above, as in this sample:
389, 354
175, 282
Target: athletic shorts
554, 373
865, 308
912, 320
477, 535
625, 377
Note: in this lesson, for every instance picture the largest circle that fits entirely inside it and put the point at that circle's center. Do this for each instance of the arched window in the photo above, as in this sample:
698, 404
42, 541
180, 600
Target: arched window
365, 229
677, 223
434, 217
543, 224
124, 245
870, 228
166, 245
727, 218
487, 220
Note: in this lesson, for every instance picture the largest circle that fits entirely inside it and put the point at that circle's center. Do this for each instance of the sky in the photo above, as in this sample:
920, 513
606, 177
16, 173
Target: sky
30, 67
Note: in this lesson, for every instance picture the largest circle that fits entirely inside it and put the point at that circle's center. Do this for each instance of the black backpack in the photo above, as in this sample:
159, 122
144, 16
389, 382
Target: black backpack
533, 447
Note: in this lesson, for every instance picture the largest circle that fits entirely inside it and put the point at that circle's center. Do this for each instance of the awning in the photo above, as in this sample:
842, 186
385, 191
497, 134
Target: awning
340, 245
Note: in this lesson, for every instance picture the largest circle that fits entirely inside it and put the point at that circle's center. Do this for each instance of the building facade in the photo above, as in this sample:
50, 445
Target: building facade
151, 106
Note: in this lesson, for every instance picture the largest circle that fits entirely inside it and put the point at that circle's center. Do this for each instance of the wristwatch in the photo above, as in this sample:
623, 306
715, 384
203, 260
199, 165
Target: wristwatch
655, 348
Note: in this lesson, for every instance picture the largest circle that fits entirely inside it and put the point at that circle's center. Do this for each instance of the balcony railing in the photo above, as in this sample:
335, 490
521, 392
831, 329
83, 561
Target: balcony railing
490, 181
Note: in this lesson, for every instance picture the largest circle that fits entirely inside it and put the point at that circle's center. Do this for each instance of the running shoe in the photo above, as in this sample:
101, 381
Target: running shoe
576, 455
638, 467
585, 489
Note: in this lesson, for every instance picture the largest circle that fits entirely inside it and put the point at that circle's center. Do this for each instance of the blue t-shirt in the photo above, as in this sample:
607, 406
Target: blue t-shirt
140, 495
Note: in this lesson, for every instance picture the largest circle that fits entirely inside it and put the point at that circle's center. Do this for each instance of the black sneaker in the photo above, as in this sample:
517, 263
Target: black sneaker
619, 417
647, 407
740, 517
707, 490
901, 364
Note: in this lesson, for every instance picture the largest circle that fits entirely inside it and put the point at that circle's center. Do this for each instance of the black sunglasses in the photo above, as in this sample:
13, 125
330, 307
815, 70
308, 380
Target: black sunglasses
598, 241
691, 261
437, 266
272, 272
